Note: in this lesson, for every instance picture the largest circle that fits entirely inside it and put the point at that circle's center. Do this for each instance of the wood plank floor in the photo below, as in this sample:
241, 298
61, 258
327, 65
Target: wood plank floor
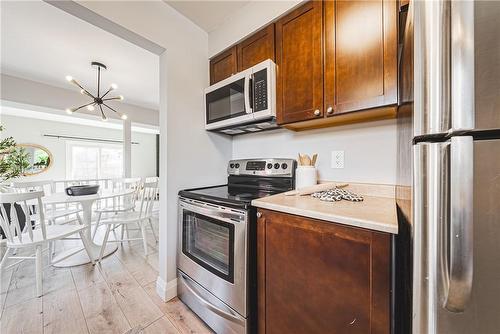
116, 296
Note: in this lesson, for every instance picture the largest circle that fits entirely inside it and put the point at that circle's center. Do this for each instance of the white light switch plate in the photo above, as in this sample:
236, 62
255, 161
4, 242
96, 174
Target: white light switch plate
337, 159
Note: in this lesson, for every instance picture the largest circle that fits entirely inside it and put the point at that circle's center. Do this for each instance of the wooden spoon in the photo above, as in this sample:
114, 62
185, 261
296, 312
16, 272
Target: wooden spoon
314, 158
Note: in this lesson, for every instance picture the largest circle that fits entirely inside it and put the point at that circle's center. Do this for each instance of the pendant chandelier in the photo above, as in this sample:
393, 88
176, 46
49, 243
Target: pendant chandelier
98, 101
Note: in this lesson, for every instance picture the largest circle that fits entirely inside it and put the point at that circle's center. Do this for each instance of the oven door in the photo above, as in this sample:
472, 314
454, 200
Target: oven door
228, 102
213, 250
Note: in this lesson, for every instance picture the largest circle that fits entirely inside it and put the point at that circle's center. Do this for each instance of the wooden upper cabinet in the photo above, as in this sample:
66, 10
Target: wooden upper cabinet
256, 48
321, 277
360, 55
223, 65
299, 91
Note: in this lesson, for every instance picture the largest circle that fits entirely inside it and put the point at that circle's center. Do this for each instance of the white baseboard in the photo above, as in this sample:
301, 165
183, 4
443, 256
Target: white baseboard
166, 290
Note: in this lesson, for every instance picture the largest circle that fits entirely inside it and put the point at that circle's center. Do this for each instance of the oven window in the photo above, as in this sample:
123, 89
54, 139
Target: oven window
210, 243
226, 102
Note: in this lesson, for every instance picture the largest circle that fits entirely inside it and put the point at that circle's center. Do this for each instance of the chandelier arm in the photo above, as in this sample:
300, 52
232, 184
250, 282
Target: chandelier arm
112, 98
83, 106
102, 112
109, 90
86, 91
111, 108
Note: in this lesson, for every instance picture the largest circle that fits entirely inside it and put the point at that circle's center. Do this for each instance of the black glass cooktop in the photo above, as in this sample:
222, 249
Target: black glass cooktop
227, 195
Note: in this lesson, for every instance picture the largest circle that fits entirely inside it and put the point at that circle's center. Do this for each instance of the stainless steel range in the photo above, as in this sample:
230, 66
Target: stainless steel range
217, 243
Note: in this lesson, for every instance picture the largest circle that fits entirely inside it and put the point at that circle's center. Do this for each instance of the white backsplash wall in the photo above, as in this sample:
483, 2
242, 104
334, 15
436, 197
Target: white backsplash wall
369, 149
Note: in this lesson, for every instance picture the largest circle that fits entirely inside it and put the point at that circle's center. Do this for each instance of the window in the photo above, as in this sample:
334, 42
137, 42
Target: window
93, 161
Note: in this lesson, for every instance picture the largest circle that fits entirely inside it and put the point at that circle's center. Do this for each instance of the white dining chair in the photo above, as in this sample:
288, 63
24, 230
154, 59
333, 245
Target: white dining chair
53, 212
143, 216
35, 233
118, 204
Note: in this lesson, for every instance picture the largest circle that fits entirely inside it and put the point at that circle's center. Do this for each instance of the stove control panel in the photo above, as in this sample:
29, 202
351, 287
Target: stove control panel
272, 167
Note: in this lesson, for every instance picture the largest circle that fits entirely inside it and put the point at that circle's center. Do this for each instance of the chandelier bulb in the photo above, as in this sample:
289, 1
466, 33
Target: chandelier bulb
104, 118
69, 78
90, 108
123, 116
121, 97
82, 91
69, 111
114, 86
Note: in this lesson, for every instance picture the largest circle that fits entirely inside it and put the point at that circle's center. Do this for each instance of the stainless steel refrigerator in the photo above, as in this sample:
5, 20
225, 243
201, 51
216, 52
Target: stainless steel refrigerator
449, 165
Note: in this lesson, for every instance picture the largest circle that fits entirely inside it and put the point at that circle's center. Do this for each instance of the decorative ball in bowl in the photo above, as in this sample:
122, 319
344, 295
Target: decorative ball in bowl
82, 190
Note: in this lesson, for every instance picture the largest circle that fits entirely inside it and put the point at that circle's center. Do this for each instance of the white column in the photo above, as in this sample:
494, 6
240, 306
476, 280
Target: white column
127, 148
166, 289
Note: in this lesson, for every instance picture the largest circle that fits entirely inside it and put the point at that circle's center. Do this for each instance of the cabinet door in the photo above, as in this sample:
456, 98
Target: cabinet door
360, 55
223, 65
320, 277
256, 48
299, 57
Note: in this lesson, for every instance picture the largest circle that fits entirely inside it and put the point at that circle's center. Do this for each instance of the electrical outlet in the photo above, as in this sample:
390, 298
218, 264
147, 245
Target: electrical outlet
337, 159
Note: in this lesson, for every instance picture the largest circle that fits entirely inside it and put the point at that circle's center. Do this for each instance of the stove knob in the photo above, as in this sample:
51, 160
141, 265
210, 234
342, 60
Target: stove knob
284, 166
231, 165
237, 166
276, 165
269, 165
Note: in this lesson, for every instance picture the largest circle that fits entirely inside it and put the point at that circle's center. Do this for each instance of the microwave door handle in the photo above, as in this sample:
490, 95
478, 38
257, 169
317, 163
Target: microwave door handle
461, 224
247, 93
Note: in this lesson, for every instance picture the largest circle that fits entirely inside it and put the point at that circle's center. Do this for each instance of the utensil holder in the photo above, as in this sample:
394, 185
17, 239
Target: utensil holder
305, 176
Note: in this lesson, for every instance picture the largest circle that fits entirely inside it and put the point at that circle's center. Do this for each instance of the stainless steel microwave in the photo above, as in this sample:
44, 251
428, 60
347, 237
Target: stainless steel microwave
247, 97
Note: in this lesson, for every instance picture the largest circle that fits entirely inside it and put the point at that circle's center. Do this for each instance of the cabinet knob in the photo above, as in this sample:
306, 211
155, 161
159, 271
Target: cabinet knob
329, 111
317, 112
259, 214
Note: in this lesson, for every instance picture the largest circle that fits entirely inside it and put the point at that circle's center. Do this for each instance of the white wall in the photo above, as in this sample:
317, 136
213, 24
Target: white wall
189, 156
29, 131
370, 148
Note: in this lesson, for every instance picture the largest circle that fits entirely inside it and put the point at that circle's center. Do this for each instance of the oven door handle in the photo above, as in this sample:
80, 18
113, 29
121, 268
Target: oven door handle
213, 213
233, 316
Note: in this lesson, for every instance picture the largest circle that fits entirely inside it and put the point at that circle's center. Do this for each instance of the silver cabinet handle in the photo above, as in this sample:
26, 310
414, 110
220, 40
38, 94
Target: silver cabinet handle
207, 304
460, 236
317, 112
329, 110
259, 214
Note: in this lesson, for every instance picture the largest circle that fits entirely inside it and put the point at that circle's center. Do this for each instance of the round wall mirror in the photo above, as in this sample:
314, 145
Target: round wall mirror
39, 159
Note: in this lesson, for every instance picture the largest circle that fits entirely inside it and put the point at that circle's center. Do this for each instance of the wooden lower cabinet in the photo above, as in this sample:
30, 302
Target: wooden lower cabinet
321, 277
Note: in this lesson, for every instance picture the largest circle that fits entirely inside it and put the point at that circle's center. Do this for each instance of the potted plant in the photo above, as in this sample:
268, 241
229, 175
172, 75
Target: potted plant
13, 160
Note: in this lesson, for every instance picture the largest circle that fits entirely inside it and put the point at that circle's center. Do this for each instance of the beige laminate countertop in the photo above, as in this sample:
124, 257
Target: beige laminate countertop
373, 213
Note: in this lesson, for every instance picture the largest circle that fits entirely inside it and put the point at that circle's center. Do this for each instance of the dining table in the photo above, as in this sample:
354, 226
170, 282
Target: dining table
78, 256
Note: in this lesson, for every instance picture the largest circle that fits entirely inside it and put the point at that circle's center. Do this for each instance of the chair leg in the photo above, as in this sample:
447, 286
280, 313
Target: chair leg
87, 246
80, 221
96, 224
144, 240
5, 258
38, 270
126, 230
104, 242
152, 229
123, 234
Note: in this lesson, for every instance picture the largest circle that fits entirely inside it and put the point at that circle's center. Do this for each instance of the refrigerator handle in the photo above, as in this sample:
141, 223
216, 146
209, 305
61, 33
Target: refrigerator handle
462, 65
461, 224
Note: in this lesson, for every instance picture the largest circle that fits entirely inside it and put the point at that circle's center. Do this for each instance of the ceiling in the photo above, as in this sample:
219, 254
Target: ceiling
207, 14
42, 43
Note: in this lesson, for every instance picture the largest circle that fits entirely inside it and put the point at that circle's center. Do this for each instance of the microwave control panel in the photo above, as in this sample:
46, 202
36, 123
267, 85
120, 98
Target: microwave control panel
260, 90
